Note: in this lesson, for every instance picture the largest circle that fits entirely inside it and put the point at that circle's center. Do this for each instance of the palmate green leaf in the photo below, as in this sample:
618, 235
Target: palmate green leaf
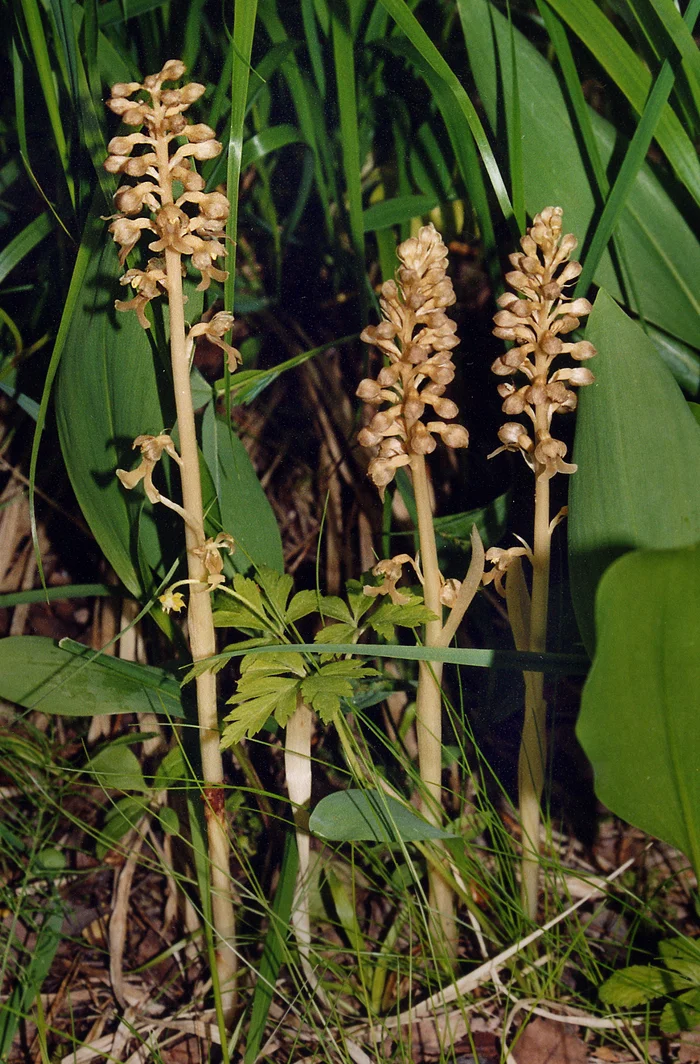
661, 248
333, 681
638, 454
638, 721
306, 602
370, 816
638, 985
410, 615
277, 587
265, 689
336, 633
38, 674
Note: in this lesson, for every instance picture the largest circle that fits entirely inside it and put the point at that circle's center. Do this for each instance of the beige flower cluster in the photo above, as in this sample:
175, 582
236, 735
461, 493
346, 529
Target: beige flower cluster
535, 316
418, 338
160, 121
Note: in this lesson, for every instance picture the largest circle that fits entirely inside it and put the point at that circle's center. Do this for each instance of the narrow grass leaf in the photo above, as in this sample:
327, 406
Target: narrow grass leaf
410, 25
25, 242
631, 164
661, 247
241, 48
274, 949
634, 80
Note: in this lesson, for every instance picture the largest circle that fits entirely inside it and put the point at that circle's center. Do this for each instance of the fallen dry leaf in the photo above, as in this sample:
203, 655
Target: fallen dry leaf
547, 1042
689, 1052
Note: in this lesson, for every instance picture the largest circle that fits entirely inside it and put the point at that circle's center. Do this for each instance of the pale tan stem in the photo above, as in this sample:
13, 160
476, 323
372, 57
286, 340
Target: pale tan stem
533, 745
469, 588
429, 705
297, 764
201, 625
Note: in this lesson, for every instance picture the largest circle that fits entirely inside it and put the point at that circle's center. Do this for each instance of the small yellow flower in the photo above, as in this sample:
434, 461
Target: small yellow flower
172, 601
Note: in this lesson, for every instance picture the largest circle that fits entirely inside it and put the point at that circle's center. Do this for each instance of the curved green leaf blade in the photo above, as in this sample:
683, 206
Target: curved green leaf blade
245, 510
370, 816
117, 767
661, 248
638, 453
639, 713
107, 395
38, 674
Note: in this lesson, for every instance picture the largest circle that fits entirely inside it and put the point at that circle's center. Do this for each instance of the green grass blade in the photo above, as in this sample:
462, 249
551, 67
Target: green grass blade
346, 89
633, 79
24, 242
401, 14
273, 950
523, 661
58, 594
241, 48
678, 32
62, 12
37, 37
515, 138
627, 175
313, 45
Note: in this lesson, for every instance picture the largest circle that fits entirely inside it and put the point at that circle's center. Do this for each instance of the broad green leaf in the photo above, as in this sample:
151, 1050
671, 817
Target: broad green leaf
172, 771
682, 1013
661, 248
637, 985
639, 712
410, 615
370, 816
116, 767
682, 955
168, 820
245, 510
99, 410
38, 674
277, 587
121, 818
638, 453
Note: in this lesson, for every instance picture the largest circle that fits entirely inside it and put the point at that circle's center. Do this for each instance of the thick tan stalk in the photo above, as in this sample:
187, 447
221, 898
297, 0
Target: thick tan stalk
533, 745
201, 625
297, 765
429, 705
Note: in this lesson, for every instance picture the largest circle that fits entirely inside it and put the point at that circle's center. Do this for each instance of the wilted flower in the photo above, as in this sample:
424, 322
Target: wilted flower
210, 554
215, 330
390, 569
501, 559
534, 316
160, 120
417, 337
152, 448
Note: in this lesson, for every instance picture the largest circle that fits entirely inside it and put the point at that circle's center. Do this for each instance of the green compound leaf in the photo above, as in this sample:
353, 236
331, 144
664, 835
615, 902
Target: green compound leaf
333, 681
71, 681
336, 633
306, 602
370, 816
639, 712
